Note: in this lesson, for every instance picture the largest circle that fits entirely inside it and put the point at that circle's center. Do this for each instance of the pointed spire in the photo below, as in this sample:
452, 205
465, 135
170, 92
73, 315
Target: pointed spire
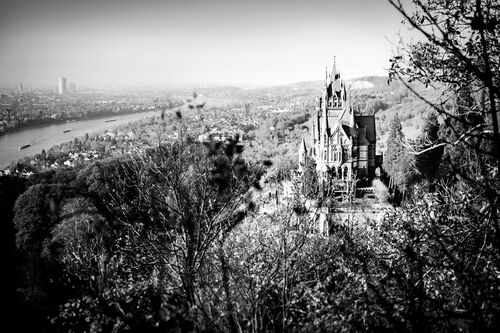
302, 155
312, 130
335, 77
318, 127
324, 125
335, 74
323, 133
327, 88
303, 148
351, 120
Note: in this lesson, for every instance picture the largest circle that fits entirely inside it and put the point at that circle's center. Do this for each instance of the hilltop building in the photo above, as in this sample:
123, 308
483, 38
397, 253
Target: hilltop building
342, 144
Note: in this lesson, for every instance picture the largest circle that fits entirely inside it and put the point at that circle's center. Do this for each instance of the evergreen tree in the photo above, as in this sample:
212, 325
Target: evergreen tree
394, 146
310, 179
398, 164
427, 163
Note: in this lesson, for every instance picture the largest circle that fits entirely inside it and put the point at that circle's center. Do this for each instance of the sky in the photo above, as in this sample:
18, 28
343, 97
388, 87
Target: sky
192, 42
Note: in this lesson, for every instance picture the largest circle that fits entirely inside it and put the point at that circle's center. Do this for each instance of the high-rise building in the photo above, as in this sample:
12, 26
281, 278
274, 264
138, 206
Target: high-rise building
20, 87
72, 87
62, 85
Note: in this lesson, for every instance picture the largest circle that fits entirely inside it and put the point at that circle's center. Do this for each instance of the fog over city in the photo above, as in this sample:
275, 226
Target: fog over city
169, 43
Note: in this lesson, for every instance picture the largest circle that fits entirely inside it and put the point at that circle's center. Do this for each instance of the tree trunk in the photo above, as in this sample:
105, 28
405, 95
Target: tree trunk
231, 316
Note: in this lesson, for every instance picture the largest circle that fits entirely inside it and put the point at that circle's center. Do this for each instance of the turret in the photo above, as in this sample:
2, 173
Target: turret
324, 122
302, 155
335, 78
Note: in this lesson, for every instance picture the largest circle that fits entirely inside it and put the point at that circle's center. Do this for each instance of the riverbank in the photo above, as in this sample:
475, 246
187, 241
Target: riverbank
31, 124
45, 137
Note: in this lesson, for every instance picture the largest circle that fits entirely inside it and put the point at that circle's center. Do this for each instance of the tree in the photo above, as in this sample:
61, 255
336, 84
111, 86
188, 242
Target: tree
172, 209
447, 244
10, 277
460, 53
35, 212
80, 241
397, 163
394, 145
428, 162
310, 183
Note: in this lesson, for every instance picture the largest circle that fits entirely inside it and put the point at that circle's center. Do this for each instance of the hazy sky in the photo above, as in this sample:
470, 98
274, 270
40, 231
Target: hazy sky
150, 42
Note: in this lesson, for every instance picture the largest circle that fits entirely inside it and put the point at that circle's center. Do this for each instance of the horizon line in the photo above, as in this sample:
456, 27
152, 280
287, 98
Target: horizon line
176, 86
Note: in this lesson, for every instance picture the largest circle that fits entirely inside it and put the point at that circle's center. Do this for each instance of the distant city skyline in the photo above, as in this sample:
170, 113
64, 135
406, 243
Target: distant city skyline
192, 42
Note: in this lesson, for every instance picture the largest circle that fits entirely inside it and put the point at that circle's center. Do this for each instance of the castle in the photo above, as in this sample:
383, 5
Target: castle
342, 143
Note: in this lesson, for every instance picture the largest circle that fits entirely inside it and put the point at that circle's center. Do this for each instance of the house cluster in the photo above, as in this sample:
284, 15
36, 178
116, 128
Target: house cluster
75, 157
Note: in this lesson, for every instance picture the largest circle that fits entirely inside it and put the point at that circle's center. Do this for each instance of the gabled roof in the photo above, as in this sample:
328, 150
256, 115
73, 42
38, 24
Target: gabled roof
345, 122
350, 131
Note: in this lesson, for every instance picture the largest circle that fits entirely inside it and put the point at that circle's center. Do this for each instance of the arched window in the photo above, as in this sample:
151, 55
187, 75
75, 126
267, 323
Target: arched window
346, 173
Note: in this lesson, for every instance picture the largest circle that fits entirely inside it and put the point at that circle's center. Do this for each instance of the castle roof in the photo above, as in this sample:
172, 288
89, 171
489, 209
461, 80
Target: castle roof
350, 131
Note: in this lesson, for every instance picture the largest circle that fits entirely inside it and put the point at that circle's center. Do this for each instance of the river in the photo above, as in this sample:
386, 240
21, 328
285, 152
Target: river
45, 137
